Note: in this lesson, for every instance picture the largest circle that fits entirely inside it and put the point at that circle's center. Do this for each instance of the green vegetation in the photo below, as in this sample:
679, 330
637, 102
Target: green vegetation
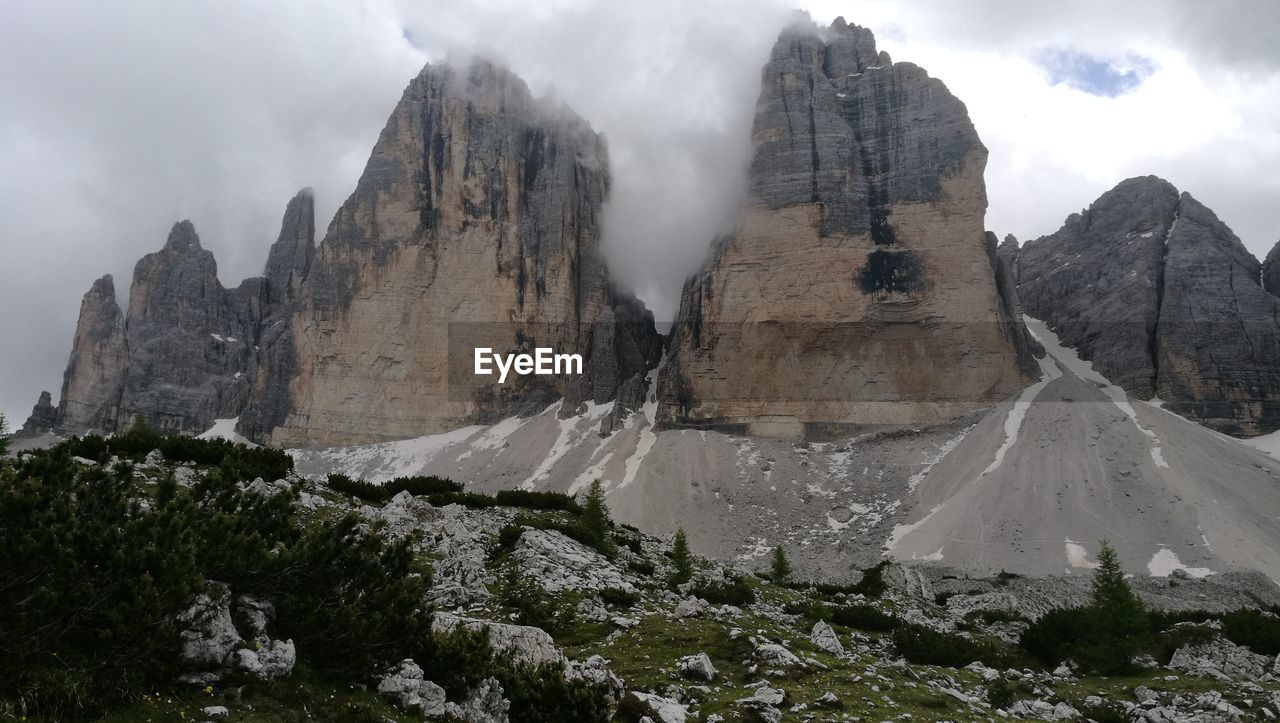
4, 435
596, 521
919, 644
736, 591
681, 559
1102, 637
100, 564
779, 566
872, 583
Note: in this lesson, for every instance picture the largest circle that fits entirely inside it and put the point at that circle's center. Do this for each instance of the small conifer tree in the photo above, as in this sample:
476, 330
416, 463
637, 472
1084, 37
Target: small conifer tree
1119, 627
681, 559
780, 568
595, 519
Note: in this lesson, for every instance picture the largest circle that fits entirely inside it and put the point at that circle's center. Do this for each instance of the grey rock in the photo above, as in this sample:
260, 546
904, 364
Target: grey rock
485, 704
852, 154
406, 687
662, 710
697, 666
825, 638
209, 635
44, 417
691, 607
94, 378
216, 711
559, 564
529, 645
1220, 659
1164, 300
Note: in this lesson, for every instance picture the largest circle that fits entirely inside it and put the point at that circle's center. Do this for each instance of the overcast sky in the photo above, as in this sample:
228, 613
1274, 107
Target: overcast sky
117, 119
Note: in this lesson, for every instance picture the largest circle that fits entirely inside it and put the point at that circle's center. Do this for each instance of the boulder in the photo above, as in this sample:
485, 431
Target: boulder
825, 638
1220, 659
529, 645
405, 686
697, 666
485, 704
663, 710
559, 564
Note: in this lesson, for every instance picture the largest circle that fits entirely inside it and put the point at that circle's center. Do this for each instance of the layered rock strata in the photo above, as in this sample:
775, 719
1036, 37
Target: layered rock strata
858, 287
1152, 288
475, 223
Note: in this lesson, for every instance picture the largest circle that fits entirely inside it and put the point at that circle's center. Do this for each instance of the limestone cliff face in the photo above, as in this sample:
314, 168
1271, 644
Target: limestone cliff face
1166, 301
190, 340
476, 223
858, 287
94, 379
187, 351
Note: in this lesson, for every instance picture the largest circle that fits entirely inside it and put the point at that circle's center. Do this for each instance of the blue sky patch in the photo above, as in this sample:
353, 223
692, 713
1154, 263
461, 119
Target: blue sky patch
1107, 77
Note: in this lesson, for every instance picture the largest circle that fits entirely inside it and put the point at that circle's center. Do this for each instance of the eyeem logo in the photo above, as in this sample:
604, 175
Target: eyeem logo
543, 361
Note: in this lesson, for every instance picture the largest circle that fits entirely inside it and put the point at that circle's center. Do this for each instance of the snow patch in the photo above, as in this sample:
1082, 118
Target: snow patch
1166, 561
1018, 413
1083, 369
225, 429
1078, 557
648, 437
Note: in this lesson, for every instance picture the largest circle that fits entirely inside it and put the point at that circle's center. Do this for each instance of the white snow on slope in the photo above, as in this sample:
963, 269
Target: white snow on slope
1267, 443
1018, 413
1165, 561
225, 429
388, 460
647, 436
573, 431
1070, 359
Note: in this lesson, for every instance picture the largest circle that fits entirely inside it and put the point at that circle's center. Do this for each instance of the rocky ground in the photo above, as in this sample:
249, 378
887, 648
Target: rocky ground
669, 654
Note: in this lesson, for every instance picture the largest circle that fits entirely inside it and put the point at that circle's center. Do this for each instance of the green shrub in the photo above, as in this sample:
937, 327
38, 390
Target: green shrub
508, 538
1050, 639
427, 486
544, 695
531, 603
1176, 637
809, 609
732, 592
619, 597
864, 617
1001, 693
872, 583
922, 645
245, 462
641, 567
538, 500
470, 500
1256, 630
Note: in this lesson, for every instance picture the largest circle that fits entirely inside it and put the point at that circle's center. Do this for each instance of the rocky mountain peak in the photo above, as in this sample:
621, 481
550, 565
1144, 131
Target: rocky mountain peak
290, 256
1151, 287
1271, 271
183, 237
862, 242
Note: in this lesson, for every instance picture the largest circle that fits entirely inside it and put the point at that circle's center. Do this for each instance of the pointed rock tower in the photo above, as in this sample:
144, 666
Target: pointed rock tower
858, 288
476, 223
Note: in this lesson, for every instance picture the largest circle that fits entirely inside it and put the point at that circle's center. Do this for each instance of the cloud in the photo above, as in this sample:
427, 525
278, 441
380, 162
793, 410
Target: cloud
118, 120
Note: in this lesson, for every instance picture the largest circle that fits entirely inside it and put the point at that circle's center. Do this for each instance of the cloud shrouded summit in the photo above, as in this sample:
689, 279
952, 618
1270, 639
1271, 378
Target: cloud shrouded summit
118, 121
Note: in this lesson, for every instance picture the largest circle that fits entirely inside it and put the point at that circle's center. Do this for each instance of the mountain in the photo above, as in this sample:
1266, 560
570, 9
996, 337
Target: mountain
1152, 288
859, 287
186, 351
475, 223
